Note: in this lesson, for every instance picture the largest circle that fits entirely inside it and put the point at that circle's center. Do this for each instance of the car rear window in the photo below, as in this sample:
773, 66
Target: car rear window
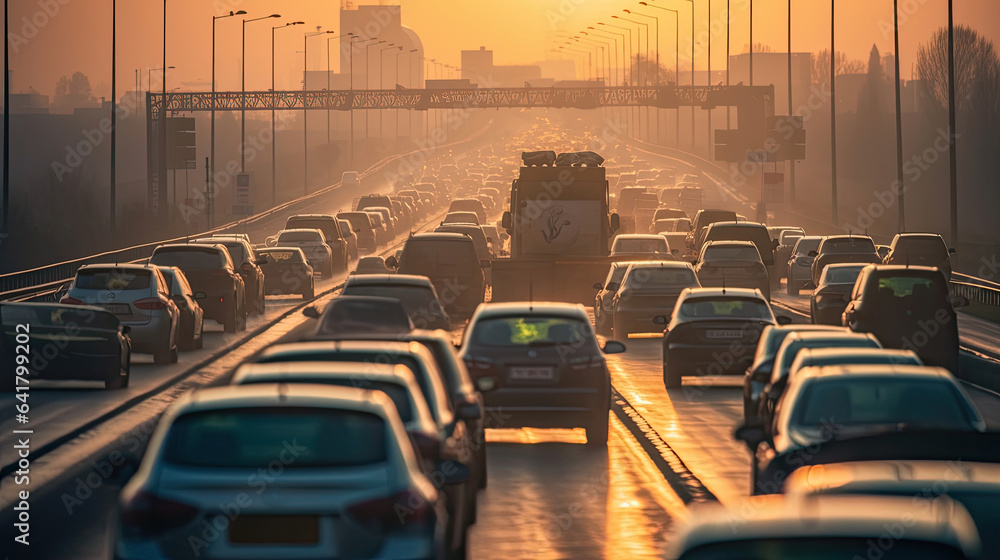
357, 220
626, 245
879, 401
250, 438
113, 279
236, 250
731, 254
56, 316
327, 226
822, 548
841, 274
298, 236
396, 392
189, 258
922, 246
908, 286
851, 245
413, 298
725, 307
343, 317
756, 235
530, 331
804, 245
427, 255
665, 277
283, 256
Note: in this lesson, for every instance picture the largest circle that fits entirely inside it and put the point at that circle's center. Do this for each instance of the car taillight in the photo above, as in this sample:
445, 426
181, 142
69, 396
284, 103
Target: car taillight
428, 446
584, 362
70, 301
148, 514
392, 513
150, 304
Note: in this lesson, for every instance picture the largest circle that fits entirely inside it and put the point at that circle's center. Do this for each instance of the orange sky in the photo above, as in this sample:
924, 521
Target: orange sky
520, 31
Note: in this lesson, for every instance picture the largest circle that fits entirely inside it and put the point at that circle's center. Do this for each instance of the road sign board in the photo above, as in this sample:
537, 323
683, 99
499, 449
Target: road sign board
758, 156
243, 188
242, 210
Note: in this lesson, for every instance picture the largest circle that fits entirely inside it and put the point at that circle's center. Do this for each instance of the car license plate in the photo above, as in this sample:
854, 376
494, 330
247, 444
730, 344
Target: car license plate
117, 308
716, 334
531, 374
274, 529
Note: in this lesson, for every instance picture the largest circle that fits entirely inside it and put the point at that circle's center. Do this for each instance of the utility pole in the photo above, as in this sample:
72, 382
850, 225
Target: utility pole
833, 113
114, 112
900, 185
953, 150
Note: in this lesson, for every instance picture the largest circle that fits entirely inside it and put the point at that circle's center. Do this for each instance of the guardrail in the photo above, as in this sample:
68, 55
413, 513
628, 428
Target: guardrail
982, 295
40, 282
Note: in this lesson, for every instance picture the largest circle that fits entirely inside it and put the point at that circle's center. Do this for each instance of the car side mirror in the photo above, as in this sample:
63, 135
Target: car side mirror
813, 253
614, 347
486, 384
507, 221
598, 286
311, 312
783, 320
616, 222
392, 262
751, 433
453, 472
660, 320
469, 411
200, 295
271, 242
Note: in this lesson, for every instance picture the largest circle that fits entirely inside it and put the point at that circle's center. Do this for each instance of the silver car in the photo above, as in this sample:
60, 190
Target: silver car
139, 296
800, 264
346, 471
313, 244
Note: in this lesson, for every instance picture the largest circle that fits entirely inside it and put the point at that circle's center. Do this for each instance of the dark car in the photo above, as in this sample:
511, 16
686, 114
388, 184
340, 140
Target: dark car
191, 334
746, 231
546, 367
647, 290
800, 260
758, 375
842, 249
908, 308
363, 227
331, 231
469, 205
352, 239
922, 249
359, 314
416, 293
711, 322
605, 296
732, 263
63, 342
829, 299
451, 262
247, 266
286, 272
702, 219
209, 269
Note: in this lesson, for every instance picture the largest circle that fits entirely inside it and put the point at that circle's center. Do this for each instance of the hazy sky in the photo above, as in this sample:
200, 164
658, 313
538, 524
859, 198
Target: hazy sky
77, 37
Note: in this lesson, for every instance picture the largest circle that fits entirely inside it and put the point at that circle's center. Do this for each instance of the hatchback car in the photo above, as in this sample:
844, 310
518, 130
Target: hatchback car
829, 299
546, 367
641, 245
453, 266
732, 263
209, 269
344, 476
842, 249
361, 223
921, 249
247, 266
287, 271
800, 264
313, 244
97, 345
746, 231
192, 315
648, 289
416, 293
713, 331
359, 314
139, 296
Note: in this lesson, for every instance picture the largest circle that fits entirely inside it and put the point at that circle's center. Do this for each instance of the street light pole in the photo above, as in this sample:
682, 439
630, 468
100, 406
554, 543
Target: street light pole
791, 162
643, 72
677, 63
833, 112
368, 78
114, 115
243, 92
953, 151
900, 185
210, 195
274, 132
656, 20
305, 113
381, 71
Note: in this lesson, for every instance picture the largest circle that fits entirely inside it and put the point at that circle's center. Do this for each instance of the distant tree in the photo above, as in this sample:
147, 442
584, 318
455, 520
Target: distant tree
62, 87
844, 65
644, 71
977, 74
79, 84
758, 48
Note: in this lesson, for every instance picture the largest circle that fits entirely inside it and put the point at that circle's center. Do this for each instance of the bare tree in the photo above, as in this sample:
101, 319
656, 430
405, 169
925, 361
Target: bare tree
844, 65
645, 71
977, 73
758, 48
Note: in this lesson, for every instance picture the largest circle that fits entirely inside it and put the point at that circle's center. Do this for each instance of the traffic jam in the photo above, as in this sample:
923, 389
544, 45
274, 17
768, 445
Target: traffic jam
612, 297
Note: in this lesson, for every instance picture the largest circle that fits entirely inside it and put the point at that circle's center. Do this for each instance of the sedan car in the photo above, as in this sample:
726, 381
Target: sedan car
313, 245
605, 296
139, 296
347, 231
907, 307
641, 246
732, 263
359, 314
546, 367
829, 527
648, 289
800, 264
97, 345
287, 271
371, 265
829, 299
843, 402
192, 315
783, 252
921, 249
758, 375
344, 476
209, 269
469, 205
416, 293
842, 249
713, 331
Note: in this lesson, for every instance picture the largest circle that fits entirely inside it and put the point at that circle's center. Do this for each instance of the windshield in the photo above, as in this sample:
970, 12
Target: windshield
932, 246
250, 438
881, 400
726, 308
112, 279
651, 278
911, 289
530, 331
413, 298
186, 258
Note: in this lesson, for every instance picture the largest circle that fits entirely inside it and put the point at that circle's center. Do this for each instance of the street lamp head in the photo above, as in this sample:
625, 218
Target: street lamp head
643, 4
239, 13
274, 16
626, 11
296, 23
615, 17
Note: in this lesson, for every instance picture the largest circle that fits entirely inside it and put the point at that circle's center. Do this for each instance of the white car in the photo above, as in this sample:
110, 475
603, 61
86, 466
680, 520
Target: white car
346, 470
313, 244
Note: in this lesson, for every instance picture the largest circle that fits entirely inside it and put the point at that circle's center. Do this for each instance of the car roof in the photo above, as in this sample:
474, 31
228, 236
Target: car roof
282, 394
194, 246
917, 234
320, 370
380, 279
742, 224
639, 236
278, 248
441, 236
876, 370
661, 264
730, 243
822, 334
817, 516
311, 216
300, 230
541, 308
721, 292
898, 476
896, 268
382, 345
888, 354
129, 266
846, 237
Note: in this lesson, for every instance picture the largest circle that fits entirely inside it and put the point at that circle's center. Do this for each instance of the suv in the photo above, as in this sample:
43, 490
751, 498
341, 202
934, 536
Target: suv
209, 269
924, 249
746, 231
326, 223
362, 224
247, 265
451, 262
702, 219
139, 296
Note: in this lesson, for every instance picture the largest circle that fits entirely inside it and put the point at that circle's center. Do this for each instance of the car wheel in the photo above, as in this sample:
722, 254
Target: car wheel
790, 290
671, 375
597, 434
481, 467
162, 356
114, 383
231, 324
